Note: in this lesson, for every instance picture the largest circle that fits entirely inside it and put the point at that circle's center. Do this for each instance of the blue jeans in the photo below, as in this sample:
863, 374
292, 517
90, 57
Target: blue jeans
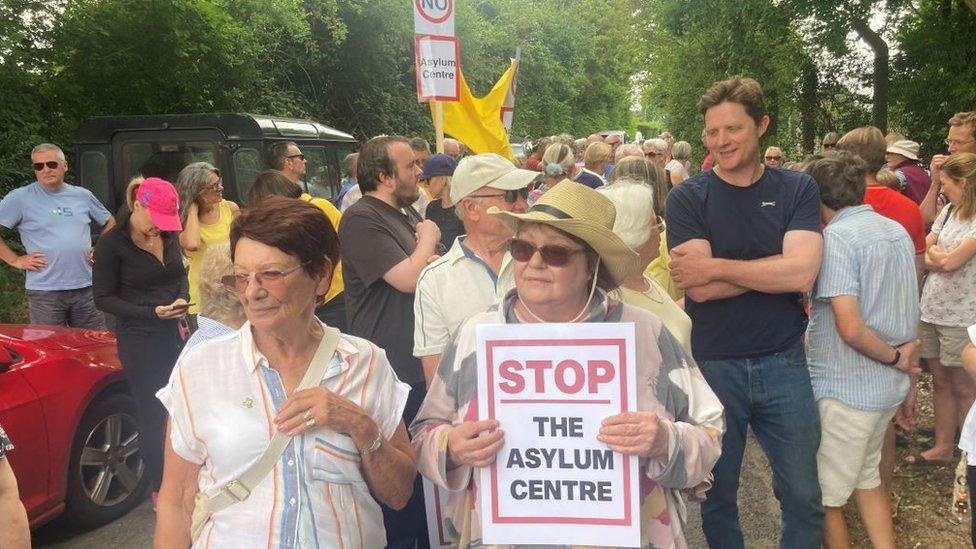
772, 394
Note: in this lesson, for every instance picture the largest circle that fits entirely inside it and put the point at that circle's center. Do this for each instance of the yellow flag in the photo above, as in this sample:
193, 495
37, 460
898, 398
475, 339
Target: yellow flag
477, 122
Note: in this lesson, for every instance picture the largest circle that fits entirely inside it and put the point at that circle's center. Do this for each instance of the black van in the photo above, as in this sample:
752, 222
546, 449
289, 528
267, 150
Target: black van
113, 149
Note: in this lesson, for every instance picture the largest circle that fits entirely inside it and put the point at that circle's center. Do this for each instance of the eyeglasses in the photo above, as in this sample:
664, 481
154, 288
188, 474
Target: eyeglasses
650, 154
948, 142
511, 196
216, 184
773, 157
299, 155
267, 279
830, 145
553, 254
659, 224
51, 165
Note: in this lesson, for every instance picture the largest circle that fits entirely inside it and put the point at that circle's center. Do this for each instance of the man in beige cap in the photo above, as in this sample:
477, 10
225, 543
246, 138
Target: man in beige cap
477, 270
902, 157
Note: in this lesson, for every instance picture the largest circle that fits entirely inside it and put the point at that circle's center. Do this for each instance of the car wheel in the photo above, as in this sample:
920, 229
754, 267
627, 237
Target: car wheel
106, 475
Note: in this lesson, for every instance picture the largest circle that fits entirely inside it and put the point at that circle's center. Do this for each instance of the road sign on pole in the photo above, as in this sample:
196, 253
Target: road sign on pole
433, 17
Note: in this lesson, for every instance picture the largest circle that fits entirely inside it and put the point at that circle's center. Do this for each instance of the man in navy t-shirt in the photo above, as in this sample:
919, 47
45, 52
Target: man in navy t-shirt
745, 246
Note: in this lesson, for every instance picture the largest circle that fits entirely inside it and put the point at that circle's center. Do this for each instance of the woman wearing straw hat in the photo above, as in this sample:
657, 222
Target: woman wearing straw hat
566, 260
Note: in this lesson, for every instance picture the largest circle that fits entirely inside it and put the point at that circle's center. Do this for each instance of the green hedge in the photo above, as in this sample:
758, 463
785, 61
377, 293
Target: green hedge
13, 298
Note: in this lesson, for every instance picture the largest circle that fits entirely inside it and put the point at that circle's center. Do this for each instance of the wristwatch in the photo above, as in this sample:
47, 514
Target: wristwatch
896, 359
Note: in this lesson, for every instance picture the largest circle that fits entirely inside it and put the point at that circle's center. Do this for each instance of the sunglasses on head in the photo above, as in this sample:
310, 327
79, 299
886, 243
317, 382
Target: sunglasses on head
553, 254
51, 165
511, 196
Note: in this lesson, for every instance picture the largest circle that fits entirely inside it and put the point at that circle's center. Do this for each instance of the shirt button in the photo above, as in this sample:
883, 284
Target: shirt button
291, 501
291, 463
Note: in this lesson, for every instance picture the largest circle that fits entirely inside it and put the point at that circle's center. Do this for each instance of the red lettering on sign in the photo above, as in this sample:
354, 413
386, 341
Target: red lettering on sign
507, 370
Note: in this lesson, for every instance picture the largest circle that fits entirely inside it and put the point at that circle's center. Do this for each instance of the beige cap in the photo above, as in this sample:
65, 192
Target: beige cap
488, 169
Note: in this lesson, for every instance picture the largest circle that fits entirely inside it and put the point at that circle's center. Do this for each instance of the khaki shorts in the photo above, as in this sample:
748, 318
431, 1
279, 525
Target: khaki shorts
850, 449
942, 342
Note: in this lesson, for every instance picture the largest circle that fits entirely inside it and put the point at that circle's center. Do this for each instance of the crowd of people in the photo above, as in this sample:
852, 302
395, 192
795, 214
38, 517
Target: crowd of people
296, 361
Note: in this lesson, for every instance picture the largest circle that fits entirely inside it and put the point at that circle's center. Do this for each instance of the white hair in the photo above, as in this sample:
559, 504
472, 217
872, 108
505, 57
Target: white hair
659, 145
48, 147
630, 149
634, 202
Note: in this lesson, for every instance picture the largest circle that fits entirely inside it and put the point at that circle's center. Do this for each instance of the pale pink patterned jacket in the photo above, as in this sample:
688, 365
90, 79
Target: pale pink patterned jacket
672, 386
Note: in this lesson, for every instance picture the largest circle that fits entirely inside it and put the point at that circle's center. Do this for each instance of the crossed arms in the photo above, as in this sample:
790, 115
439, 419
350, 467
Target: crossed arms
707, 278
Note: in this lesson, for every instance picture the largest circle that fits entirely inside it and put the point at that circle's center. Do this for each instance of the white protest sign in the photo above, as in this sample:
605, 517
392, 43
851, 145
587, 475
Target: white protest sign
435, 499
549, 386
508, 109
434, 17
438, 67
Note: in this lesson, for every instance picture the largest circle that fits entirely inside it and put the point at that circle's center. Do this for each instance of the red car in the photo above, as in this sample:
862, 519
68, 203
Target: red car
66, 408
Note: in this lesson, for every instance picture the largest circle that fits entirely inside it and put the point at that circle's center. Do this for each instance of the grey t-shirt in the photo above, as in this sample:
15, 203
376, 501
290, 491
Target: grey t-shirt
374, 237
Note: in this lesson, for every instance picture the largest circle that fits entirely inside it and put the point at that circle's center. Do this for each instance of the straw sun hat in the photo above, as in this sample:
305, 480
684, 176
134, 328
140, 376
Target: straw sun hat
584, 213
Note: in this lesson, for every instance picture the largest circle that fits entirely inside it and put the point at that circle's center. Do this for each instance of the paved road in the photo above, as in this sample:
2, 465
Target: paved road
757, 507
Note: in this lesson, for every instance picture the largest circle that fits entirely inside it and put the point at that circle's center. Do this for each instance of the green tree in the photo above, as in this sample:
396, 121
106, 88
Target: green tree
933, 75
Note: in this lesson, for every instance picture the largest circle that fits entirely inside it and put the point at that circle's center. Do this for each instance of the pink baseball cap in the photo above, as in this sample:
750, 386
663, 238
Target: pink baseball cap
160, 198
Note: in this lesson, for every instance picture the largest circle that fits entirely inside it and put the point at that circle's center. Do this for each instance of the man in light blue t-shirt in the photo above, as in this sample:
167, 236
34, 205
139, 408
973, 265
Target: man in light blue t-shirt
54, 221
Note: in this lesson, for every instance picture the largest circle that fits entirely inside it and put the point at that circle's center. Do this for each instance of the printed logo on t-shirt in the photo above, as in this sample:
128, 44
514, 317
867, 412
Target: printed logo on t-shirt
63, 211
764, 204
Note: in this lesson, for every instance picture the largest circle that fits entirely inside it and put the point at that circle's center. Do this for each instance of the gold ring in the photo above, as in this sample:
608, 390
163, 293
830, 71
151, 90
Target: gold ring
308, 414
310, 422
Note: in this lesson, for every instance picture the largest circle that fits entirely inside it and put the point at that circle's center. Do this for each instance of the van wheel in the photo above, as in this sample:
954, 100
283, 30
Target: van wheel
106, 474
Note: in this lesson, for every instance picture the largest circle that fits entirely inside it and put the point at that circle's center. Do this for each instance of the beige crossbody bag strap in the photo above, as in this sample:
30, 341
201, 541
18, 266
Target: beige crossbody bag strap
240, 488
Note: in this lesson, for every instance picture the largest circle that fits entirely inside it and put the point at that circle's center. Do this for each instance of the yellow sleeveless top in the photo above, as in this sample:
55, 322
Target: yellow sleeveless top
210, 233
333, 214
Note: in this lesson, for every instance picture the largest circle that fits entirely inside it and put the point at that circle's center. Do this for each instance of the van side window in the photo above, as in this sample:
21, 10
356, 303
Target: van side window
94, 166
247, 166
321, 172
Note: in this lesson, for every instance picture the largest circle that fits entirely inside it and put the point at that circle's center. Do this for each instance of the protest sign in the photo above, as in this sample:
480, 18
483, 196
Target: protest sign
550, 386
433, 17
438, 64
435, 499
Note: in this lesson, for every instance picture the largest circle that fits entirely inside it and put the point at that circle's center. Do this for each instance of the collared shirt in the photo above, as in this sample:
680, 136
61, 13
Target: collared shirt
449, 290
207, 329
222, 399
870, 257
672, 387
58, 224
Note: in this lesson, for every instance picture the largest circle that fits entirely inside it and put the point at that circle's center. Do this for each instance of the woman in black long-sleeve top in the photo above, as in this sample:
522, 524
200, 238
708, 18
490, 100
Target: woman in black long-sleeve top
139, 278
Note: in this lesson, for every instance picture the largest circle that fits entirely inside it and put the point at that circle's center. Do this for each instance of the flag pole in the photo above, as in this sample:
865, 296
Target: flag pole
439, 125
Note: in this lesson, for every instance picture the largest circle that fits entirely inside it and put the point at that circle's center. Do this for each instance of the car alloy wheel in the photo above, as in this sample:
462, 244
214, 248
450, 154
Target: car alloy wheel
111, 464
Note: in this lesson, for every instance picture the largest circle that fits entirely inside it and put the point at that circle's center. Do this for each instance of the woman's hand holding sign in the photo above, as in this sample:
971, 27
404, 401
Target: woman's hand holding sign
635, 433
468, 444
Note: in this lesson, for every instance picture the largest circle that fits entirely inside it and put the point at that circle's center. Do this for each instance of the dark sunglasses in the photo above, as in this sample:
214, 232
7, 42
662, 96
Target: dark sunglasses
299, 155
51, 165
511, 196
272, 278
773, 157
650, 154
830, 145
553, 254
